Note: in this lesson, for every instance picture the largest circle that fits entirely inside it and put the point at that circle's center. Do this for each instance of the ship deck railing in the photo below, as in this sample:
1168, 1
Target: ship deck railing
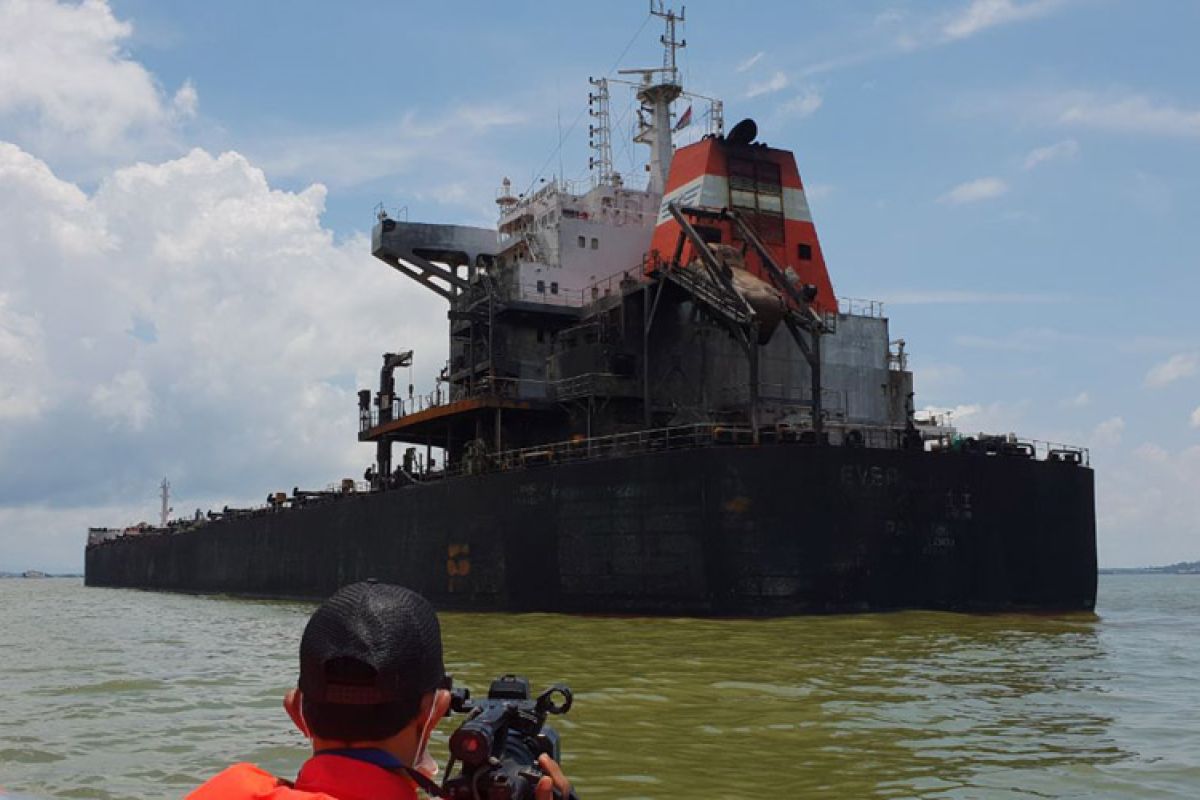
935, 439
860, 307
836, 434
549, 292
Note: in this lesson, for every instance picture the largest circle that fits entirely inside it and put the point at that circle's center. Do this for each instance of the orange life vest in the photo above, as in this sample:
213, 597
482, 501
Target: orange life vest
248, 782
323, 777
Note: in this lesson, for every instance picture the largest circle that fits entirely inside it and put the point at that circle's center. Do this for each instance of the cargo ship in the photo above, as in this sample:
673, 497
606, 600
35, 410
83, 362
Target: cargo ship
655, 403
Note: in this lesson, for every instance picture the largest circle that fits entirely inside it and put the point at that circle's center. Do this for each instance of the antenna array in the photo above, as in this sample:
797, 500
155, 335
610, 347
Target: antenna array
600, 133
670, 43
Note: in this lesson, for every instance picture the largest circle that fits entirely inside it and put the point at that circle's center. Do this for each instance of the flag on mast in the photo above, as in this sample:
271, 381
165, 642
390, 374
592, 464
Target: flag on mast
684, 120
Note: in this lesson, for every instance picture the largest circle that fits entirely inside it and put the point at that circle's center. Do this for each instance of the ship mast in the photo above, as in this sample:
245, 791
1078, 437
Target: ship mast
659, 88
165, 511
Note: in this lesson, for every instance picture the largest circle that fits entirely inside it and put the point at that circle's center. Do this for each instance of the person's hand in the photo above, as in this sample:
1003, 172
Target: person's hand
553, 779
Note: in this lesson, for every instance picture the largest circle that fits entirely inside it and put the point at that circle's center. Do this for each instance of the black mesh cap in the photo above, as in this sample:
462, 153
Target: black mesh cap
371, 643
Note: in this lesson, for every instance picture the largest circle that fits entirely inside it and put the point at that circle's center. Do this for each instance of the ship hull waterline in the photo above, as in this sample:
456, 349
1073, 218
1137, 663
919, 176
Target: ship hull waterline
738, 530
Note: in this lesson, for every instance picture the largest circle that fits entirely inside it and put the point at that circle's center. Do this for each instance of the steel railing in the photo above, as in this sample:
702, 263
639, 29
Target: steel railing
683, 437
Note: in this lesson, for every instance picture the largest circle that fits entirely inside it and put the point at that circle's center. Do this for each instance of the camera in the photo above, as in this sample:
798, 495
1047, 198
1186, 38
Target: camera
499, 743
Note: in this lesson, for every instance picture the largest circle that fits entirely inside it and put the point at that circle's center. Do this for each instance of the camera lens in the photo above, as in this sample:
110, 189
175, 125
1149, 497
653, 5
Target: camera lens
470, 745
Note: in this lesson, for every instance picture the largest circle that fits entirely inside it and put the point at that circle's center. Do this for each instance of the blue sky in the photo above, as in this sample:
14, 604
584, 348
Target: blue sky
184, 189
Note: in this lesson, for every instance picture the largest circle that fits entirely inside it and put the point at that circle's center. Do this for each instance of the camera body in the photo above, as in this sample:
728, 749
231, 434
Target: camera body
499, 743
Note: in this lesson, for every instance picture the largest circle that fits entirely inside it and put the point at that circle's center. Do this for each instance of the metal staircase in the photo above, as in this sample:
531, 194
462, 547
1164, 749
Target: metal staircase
712, 297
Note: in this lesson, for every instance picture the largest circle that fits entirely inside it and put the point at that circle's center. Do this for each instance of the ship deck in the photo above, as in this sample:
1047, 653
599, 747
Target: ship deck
436, 424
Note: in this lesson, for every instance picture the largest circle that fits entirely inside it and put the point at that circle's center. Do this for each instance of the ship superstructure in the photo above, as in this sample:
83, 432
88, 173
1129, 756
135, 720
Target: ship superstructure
700, 299
654, 402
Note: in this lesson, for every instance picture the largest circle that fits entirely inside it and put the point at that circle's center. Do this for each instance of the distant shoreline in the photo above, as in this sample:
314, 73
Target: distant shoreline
1182, 568
1187, 568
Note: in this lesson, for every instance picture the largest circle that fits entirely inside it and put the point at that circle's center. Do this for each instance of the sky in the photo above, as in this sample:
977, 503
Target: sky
186, 195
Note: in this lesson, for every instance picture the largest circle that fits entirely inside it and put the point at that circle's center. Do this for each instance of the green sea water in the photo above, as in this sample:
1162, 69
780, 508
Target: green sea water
108, 693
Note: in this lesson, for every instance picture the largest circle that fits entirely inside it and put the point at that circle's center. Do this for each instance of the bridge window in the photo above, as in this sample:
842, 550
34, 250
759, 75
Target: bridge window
553, 287
583, 241
756, 190
541, 287
595, 243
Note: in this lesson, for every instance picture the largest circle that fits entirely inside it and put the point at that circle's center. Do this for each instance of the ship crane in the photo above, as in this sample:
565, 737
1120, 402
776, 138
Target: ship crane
804, 324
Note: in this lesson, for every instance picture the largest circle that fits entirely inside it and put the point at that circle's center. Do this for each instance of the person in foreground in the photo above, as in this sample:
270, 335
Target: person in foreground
372, 689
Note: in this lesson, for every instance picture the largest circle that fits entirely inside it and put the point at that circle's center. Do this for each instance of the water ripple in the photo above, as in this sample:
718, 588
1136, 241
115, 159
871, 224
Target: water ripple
124, 694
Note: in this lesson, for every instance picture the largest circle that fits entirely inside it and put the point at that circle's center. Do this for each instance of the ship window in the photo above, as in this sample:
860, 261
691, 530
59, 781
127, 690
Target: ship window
770, 202
741, 172
742, 199
755, 189
769, 227
554, 287
805, 251
583, 241
541, 287
766, 173
595, 243
709, 233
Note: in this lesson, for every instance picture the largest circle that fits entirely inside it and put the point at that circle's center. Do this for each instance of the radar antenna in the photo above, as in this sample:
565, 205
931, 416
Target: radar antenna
659, 88
670, 43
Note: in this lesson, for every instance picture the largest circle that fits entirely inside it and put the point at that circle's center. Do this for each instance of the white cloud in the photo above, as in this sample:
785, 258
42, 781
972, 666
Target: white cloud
1126, 114
1118, 112
919, 297
1151, 193
935, 379
1108, 433
804, 104
21, 363
1195, 418
750, 62
1152, 453
67, 84
264, 327
1081, 400
1064, 150
983, 14
52, 538
1147, 506
974, 191
775, 83
980, 418
182, 316
897, 33
889, 16
950, 415
819, 191
1180, 365
126, 400
186, 101
444, 147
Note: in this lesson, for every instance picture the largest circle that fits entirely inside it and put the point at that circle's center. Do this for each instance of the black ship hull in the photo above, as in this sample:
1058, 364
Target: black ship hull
725, 530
